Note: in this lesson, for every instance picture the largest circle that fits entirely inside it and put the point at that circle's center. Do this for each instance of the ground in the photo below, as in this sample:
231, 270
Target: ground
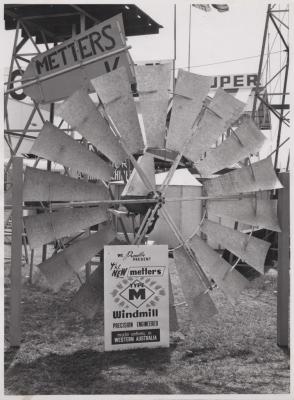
62, 352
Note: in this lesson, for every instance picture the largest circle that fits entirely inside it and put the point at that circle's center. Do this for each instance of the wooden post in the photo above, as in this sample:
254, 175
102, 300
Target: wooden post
16, 252
31, 266
283, 262
88, 264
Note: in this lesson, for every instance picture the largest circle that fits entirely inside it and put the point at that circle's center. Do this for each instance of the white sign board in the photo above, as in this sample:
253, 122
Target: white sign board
81, 58
136, 297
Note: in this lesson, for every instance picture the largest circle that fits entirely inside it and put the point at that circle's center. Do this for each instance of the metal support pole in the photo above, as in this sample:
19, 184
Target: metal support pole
16, 253
261, 62
189, 40
283, 262
175, 47
14, 52
281, 119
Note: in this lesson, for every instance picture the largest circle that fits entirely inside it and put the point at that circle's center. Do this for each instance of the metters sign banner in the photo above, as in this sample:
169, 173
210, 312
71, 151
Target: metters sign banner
136, 297
58, 72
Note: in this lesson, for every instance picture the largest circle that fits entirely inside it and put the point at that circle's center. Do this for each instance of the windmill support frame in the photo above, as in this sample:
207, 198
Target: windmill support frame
272, 21
279, 27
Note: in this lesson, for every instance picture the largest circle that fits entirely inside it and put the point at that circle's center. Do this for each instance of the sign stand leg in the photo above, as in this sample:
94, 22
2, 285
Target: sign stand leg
283, 263
16, 253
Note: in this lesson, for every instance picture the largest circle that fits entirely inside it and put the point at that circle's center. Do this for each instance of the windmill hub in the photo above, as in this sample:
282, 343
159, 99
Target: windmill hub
160, 197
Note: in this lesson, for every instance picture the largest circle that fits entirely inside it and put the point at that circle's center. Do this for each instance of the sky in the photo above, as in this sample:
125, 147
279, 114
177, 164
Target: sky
214, 36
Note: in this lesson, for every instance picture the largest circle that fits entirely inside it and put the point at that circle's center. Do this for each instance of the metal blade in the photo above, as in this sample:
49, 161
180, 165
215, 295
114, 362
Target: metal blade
153, 83
89, 299
201, 305
259, 176
135, 186
259, 213
223, 110
55, 145
44, 228
114, 90
247, 140
61, 267
190, 92
251, 250
51, 186
84, 116
231, 282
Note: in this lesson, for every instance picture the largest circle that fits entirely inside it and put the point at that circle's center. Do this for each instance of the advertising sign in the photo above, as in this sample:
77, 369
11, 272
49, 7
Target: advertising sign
136, 297
240, 81
93, 52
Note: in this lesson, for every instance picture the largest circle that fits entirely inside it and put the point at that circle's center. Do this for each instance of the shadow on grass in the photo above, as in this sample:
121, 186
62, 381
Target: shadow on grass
9, 356
90, 372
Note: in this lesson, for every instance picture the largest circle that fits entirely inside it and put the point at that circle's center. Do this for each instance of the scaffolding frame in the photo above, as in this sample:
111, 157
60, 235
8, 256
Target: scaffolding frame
275, 19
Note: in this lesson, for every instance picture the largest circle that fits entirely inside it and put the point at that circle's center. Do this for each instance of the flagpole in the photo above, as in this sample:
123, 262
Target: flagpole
189, 45
175, 46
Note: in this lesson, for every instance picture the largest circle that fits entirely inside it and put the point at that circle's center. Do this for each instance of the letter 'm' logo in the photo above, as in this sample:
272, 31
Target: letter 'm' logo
136, 293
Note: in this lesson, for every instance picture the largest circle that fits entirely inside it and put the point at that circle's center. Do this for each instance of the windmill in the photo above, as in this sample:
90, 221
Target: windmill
114, 130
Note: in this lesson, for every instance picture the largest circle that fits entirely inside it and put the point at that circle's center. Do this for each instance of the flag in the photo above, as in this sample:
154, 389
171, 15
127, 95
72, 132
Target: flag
203, 7
221, 7
206, 7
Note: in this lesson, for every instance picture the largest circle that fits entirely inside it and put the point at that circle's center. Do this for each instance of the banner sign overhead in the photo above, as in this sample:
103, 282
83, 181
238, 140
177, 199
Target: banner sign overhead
60, 71
136, 297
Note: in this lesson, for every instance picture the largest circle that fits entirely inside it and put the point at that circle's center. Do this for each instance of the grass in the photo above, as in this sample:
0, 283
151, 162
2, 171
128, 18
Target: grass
62, 352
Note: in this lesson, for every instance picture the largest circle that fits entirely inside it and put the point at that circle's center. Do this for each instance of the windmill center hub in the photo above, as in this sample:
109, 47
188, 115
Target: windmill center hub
160, 197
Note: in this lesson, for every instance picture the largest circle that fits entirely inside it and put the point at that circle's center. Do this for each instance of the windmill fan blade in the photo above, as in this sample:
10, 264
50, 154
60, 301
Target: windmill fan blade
246, 140
114, 90
44, 228
259, 176
200, 303
135, 186
231, 282
190, 92
82, 114
153, 83
60, 267
251, 250
223, 110
260, 213
55, 145
51, 186
89, 299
